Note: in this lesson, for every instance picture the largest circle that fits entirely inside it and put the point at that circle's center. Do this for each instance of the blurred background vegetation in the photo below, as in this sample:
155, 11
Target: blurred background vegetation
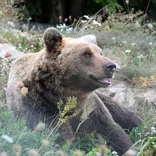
49, 11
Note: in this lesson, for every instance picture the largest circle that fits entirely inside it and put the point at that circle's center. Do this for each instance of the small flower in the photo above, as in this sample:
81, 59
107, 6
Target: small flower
40, 127
150, 26
154, 131
140, 56
147, 134
1, 13
77, 153
29, 19
137, 24
17, 148
103, 148
24, 91
65, 19
125, 42
87, 17
74, 20
4, 154
99, 154
70, 17
60, 153
33, 152
131, 153
115, 153
128, 51
45, 142
113, 38
11, 24
150, 43
96, 23
133, 44
60, 17
7, 138
83, 21
153, 143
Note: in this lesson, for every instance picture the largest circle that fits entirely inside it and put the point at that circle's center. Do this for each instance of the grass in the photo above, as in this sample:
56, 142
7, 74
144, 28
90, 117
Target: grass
133, 46
23, 139
16, 139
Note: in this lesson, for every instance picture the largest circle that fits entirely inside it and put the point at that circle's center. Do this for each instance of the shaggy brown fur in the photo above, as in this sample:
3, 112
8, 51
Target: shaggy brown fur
69, 67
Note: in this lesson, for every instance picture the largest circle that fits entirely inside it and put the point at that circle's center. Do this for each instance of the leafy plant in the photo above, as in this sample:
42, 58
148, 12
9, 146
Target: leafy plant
110, 5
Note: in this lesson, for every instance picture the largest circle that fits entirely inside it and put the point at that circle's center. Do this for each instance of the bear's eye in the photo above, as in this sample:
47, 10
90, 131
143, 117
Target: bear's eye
87, 54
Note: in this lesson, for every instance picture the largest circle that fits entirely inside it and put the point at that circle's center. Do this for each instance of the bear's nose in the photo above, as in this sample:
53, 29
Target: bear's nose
110, 66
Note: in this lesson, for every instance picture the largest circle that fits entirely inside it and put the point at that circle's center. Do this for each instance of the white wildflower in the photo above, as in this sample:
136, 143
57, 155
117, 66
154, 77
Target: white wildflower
154, 132
140, 56
7, 138
11, 24
150, 26
133, 44
96, 23
153, 143
137, 24
83, 21
128, 51
125, 42
131, 152
115, 153
87, 17
1, 13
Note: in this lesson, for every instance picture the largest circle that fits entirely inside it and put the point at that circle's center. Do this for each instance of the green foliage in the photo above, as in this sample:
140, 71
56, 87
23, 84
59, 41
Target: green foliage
87, 143
94, 151
21, 136
110, 5
105, 2
144, 136
23, 41
20, 140
66, 108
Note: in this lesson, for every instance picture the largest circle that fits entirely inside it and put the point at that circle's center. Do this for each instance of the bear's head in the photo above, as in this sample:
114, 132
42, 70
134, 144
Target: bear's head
82, 65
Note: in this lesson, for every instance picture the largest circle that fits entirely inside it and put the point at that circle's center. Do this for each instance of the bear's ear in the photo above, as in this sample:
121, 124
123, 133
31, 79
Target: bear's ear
52, 39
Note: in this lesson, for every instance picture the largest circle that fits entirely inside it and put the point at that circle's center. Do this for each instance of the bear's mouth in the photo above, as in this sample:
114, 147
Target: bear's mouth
103, 81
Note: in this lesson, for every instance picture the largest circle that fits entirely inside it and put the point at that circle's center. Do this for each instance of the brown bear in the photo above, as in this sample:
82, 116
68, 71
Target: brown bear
69, 67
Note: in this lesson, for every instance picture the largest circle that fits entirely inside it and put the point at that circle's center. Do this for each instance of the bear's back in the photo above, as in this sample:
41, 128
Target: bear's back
20, 69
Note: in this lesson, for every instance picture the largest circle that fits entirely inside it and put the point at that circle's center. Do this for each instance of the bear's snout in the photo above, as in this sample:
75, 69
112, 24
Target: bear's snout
109, 67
